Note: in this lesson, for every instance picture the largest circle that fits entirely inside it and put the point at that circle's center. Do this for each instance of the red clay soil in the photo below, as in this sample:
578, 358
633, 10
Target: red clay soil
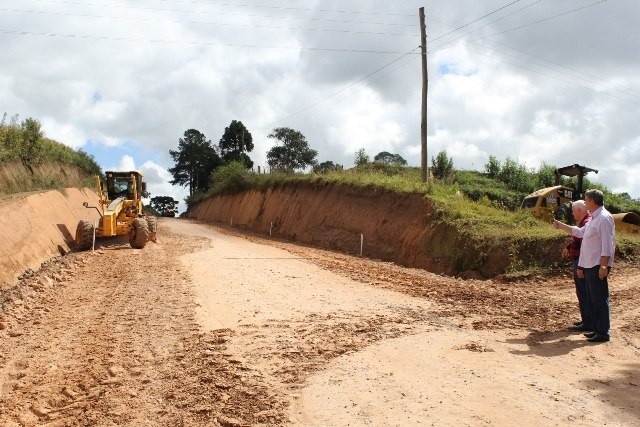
38, 226
394, 227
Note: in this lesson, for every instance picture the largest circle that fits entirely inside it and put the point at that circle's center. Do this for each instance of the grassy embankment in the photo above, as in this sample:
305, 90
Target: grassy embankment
483, 212
24, 143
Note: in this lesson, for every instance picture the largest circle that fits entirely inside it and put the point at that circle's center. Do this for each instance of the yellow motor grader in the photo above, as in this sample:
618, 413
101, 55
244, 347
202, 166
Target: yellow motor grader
120, 212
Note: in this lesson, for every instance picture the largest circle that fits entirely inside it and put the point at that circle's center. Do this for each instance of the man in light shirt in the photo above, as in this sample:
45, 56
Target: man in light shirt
596, 260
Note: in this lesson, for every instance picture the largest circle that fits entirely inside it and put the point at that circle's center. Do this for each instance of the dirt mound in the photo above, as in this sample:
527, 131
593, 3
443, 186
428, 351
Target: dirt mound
393, 227
38, 226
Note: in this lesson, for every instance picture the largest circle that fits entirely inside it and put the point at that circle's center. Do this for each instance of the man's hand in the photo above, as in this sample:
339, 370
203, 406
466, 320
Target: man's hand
565, 253
580, 273
603, 272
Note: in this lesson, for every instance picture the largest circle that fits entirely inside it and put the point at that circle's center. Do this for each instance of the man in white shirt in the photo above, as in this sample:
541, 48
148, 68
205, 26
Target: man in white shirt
596, 260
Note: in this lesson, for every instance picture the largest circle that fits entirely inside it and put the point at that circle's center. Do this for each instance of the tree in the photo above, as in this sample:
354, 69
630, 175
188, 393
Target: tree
31, 135
442, 165
294, 153
362, 158
326, 167
195, 159
545, 176
389, 159
165, 205
235, 143
515, 175
492, 168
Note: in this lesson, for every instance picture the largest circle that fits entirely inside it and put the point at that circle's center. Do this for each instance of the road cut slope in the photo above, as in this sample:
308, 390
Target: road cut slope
390, 226
38, 226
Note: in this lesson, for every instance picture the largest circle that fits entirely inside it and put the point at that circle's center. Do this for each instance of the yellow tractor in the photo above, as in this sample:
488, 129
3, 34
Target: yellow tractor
120, 212
555, 202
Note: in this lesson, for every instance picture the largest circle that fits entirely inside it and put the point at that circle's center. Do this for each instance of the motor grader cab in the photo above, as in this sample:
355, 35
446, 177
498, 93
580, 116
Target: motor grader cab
555, 202
121, 213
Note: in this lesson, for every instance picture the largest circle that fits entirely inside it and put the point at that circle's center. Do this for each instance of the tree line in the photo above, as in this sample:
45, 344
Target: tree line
196, 158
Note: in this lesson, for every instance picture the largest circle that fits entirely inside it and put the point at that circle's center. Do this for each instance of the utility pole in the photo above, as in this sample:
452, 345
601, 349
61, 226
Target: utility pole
425, 87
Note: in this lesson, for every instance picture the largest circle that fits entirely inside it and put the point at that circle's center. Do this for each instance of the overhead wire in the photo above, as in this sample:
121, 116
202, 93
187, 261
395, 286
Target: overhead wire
288, 8
547, 19
475, 20
578, 75
349, 86
191, 22
194, 43
243, 15
488, 23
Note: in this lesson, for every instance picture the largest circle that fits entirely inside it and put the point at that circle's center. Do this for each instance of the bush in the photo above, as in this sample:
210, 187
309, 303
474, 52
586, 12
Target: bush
229, 178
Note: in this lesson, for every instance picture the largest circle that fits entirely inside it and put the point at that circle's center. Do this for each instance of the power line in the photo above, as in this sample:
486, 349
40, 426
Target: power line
565, 80
244, 15
353, 12
196, 43
578, 73
627, 92
547, 19
474, 21
493, 22
349, 86
226, 24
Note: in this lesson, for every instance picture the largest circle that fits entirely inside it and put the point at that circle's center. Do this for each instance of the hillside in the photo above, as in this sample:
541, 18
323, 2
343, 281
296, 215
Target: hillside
404, 228
468, 226
17, 176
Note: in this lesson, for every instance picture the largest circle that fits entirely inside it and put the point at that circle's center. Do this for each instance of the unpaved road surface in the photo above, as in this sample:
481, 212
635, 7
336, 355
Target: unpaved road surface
210, 328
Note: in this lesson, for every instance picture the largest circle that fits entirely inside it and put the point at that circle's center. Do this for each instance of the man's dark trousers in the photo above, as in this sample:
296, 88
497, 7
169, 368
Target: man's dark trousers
584, 302
599, 295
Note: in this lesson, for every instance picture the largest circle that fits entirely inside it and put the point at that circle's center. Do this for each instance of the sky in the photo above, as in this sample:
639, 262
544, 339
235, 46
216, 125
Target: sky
533, 80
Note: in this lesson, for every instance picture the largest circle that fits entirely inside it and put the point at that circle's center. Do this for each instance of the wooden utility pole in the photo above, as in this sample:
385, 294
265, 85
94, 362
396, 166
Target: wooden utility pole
425, 87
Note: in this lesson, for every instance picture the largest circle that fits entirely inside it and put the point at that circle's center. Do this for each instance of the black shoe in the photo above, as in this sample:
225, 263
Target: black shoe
599, 338
590, 334
578, 323
580, 328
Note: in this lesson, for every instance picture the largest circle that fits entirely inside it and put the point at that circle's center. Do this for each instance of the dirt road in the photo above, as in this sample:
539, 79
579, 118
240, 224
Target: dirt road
207, 327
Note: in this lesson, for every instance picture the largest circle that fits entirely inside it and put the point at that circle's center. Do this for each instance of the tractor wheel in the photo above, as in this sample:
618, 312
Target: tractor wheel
84, 235
139, 235
565, 214
152, 223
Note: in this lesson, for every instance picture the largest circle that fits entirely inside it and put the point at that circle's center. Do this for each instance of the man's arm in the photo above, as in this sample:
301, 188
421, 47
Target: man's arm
573, 230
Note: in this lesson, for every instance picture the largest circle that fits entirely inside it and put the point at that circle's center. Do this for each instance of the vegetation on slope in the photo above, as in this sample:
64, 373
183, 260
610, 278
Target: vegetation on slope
482, 211
25, 142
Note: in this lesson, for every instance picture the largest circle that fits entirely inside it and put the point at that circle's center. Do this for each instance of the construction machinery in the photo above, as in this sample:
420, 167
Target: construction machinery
555, 202
120, 210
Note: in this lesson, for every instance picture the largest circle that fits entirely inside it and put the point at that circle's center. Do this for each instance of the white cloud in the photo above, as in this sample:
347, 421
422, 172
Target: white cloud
562, 91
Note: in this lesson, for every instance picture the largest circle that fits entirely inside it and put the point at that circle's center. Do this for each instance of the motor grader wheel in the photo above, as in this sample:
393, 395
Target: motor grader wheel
152, 223
139, 234
84, 235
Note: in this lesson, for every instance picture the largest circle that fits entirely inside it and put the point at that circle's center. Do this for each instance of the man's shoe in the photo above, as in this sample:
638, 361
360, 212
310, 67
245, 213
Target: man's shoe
590, 334
578, 323
598, 338
580, 328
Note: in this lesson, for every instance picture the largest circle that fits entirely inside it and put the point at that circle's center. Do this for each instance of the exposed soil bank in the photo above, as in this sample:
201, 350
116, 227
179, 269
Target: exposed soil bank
18, 176
394, 227
38, 226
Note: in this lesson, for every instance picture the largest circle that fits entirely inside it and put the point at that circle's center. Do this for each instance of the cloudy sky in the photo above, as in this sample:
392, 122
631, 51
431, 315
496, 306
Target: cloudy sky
536, 80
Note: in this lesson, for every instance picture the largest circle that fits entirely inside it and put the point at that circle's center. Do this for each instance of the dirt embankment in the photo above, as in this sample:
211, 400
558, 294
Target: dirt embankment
18, 176
393, 227
38, 226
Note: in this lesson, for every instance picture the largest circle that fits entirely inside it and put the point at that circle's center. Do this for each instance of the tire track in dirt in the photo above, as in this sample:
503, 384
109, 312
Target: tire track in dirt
110, 339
